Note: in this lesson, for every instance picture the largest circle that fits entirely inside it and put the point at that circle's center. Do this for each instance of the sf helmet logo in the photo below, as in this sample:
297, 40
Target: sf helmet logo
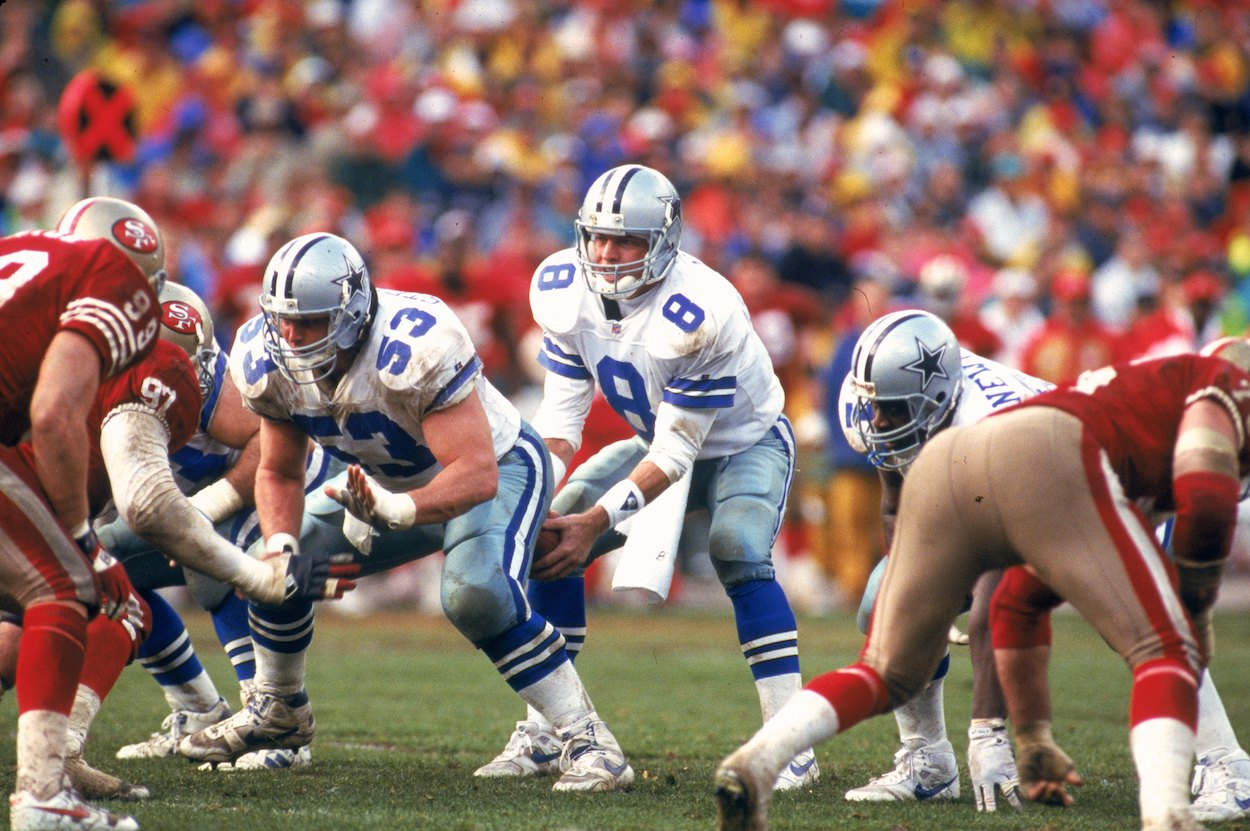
135, 234
180, 317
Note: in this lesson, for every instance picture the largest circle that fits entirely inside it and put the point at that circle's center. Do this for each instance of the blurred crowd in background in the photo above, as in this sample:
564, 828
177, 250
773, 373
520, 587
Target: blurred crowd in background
1066, 182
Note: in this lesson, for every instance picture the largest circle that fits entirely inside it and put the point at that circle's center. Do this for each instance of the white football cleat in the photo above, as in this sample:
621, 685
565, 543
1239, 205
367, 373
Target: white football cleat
531, 751
174, 728
592, 760
274, 759
992, 766
270, 721
63, 811
802, 772
924, 773
1222, 788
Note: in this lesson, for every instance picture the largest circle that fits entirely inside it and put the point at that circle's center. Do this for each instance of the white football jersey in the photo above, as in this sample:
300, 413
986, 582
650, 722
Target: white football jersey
991, 386
688, 343
203, 459
418, 359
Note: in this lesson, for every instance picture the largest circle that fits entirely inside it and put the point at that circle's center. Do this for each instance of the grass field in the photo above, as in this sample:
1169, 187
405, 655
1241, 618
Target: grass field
406, 711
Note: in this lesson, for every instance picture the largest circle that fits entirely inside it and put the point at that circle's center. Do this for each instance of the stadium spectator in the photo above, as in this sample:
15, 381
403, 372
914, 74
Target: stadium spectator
1012, 313
1072, 340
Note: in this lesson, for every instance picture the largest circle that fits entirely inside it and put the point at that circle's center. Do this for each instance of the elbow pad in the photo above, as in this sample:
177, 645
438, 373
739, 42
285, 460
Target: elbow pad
1020, 610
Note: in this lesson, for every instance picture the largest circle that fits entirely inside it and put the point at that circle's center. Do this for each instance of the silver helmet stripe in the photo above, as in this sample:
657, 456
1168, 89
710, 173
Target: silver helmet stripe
867, 348
622, 175
290, 258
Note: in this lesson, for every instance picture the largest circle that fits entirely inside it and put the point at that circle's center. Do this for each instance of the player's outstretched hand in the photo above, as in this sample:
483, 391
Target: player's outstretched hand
369, 502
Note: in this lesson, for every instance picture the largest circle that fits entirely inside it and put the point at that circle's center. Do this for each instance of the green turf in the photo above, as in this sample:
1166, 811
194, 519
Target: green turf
406, 711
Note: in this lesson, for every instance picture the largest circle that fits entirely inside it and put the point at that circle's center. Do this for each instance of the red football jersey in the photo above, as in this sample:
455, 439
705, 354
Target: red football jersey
1134, 410
49, 283
164, 382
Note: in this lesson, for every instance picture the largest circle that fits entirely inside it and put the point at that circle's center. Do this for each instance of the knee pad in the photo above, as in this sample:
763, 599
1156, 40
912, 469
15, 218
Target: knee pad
479, 599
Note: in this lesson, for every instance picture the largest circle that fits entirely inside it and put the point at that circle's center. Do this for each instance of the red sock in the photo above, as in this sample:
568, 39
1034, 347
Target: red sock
1164, 688
50, 657
108, 648
856, 693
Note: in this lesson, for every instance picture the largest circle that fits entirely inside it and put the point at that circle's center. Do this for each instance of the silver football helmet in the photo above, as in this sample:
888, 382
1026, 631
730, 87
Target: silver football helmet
630, 200
124, 224
311, 276
187, 324
905, 380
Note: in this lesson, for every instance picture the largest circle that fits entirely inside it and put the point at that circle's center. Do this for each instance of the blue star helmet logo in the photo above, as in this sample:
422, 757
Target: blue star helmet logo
929, 364
353, 280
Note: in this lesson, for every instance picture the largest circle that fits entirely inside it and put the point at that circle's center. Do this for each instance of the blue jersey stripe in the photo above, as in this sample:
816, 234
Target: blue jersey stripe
566, 370
463, 377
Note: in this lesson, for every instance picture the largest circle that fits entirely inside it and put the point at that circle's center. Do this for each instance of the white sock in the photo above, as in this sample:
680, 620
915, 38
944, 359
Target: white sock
279, 673
1163, 753
41, 736
557, 699
922, 721
86, 705
1215, 738
806, 720
775, 691
197, 694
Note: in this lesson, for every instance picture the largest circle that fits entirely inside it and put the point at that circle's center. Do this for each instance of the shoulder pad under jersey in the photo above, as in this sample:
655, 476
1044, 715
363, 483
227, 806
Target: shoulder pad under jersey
558, 293
250, 366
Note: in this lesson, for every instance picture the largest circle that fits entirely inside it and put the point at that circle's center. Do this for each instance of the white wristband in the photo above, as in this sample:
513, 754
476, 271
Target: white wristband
558, 469
217, 501
623, 500
278, 543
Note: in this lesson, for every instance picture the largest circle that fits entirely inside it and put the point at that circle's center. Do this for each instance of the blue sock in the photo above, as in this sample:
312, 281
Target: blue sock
526, 653
167, 653
230, 621
563, 603
286, 630
767, 630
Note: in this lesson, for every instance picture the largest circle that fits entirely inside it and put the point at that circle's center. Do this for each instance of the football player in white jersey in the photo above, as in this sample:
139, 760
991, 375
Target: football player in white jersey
909, 356
909, 379
669, 342
390, 383
216, 469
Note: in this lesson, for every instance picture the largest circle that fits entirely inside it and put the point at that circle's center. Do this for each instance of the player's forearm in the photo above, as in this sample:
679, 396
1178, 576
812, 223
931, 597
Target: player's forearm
457, 489
1023, 676
279, 502
134, 446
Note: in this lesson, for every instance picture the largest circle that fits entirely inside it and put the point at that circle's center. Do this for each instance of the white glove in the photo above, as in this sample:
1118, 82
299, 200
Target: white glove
955, 637
992, 765
369, 502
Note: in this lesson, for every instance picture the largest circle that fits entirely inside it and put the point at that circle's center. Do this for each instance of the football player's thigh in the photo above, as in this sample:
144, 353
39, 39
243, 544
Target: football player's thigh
746, 495
1105, 561
592, 478
933, 564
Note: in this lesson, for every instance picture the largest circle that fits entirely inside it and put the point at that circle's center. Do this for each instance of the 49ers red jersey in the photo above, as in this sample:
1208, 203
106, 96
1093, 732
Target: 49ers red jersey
1134, 410
50, 283
163, 383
